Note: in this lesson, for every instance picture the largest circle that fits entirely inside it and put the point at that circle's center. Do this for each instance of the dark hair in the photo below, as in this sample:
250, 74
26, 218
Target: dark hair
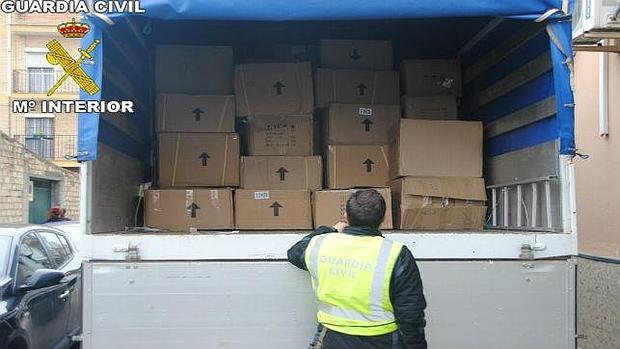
366, 208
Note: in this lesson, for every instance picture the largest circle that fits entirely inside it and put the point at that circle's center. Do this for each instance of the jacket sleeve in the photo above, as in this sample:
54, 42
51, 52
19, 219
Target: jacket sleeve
407, 296
297, 253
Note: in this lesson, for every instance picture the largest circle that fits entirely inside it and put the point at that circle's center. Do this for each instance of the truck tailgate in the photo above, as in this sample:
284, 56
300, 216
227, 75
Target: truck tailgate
269, 304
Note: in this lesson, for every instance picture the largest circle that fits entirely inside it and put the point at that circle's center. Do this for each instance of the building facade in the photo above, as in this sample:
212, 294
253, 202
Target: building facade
26, 74
597, 172
37, 150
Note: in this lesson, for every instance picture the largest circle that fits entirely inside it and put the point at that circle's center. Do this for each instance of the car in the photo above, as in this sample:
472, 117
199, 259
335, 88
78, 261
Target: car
40, 288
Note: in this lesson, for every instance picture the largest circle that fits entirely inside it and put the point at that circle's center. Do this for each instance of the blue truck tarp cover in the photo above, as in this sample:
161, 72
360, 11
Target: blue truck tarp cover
93, 129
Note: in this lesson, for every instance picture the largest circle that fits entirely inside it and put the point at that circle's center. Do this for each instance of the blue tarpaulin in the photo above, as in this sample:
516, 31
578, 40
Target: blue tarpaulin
131, 31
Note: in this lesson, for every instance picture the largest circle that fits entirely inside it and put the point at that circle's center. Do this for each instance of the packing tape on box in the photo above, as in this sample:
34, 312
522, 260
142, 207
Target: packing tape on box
299, 89
225, 161
306, 172
163, 112
176, 157
373, 87
385, 157
222, 114
245, 91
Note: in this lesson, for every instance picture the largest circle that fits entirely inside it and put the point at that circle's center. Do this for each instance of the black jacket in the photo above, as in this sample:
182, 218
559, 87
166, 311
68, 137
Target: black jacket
406, 295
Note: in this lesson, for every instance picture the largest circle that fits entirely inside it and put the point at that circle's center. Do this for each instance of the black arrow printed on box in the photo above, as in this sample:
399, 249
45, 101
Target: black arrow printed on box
193, 207
355, 55
361, 89
197, 113
276, 208
368, 164
278, 86
204, 156
367, 122
282, 171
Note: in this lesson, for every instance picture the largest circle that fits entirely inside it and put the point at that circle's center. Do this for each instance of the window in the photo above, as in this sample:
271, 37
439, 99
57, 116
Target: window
40, 136
40, 74
54, 246
40, 80
32, 257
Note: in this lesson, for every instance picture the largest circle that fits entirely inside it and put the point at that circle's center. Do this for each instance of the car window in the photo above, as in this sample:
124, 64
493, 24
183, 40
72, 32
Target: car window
65, 244
5, 244
32, 257
55, 248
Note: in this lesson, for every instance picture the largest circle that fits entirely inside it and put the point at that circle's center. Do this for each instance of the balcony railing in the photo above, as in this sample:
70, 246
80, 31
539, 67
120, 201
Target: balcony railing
50, 147
40, 80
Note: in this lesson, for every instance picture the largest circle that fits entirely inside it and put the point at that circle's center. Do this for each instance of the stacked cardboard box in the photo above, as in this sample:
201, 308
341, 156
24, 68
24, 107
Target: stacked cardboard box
276, 100
430, 88
359, 96
436, 167
198, 149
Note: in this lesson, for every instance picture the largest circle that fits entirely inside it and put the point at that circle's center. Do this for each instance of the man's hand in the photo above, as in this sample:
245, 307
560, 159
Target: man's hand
340, 226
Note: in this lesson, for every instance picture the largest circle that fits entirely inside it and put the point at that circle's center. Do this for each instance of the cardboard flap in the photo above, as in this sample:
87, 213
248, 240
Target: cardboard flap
465, 188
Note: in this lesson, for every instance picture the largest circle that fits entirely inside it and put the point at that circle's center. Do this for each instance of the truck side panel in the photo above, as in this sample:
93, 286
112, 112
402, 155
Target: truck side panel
472, 304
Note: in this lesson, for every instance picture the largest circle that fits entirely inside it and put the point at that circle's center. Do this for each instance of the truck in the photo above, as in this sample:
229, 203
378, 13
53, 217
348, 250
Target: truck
511, 285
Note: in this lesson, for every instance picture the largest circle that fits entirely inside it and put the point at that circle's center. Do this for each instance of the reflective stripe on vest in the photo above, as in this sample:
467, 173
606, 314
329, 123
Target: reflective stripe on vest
379, 315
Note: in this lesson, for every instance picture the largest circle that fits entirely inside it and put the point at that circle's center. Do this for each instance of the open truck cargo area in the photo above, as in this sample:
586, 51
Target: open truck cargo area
509, 285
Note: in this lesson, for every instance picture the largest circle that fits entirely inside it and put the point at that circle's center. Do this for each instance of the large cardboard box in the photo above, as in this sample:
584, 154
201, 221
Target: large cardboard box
185, 209
195, 113
329, 206
357, 54
280, 135
198, 159
430, 77
359, 123
430, 107
274, 89
356, 86
272, 209
281, 172
436, 148
351, 166
297, 53
445, 203
200, 70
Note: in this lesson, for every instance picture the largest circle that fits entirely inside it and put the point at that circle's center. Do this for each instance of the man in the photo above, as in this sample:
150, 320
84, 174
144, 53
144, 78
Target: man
368, 288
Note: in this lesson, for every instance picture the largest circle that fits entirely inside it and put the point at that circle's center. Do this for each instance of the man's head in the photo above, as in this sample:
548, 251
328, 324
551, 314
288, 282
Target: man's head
365, 208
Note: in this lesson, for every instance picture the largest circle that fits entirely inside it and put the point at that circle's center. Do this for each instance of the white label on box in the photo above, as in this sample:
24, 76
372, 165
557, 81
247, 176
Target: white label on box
365, 111
261, 195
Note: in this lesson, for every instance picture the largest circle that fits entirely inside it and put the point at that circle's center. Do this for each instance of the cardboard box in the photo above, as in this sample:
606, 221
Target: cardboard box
281, 172
198, 159
359, 124
274, 89
280, 135
195, 113
356, 86
351, 166
430, 107
430, 77
445, 203
357, 54
200, 70
185, 209
272, 209
436, 148
297, 53
329, 206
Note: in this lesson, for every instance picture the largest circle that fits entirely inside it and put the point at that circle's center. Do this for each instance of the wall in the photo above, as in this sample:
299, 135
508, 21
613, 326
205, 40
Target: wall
17, 166
598, 208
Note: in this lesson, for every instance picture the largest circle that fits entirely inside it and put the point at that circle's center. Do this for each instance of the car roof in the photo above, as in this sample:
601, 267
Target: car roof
16, 230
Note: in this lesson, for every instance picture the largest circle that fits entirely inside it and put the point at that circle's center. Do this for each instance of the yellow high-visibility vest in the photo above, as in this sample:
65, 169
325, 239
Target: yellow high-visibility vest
351, 280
